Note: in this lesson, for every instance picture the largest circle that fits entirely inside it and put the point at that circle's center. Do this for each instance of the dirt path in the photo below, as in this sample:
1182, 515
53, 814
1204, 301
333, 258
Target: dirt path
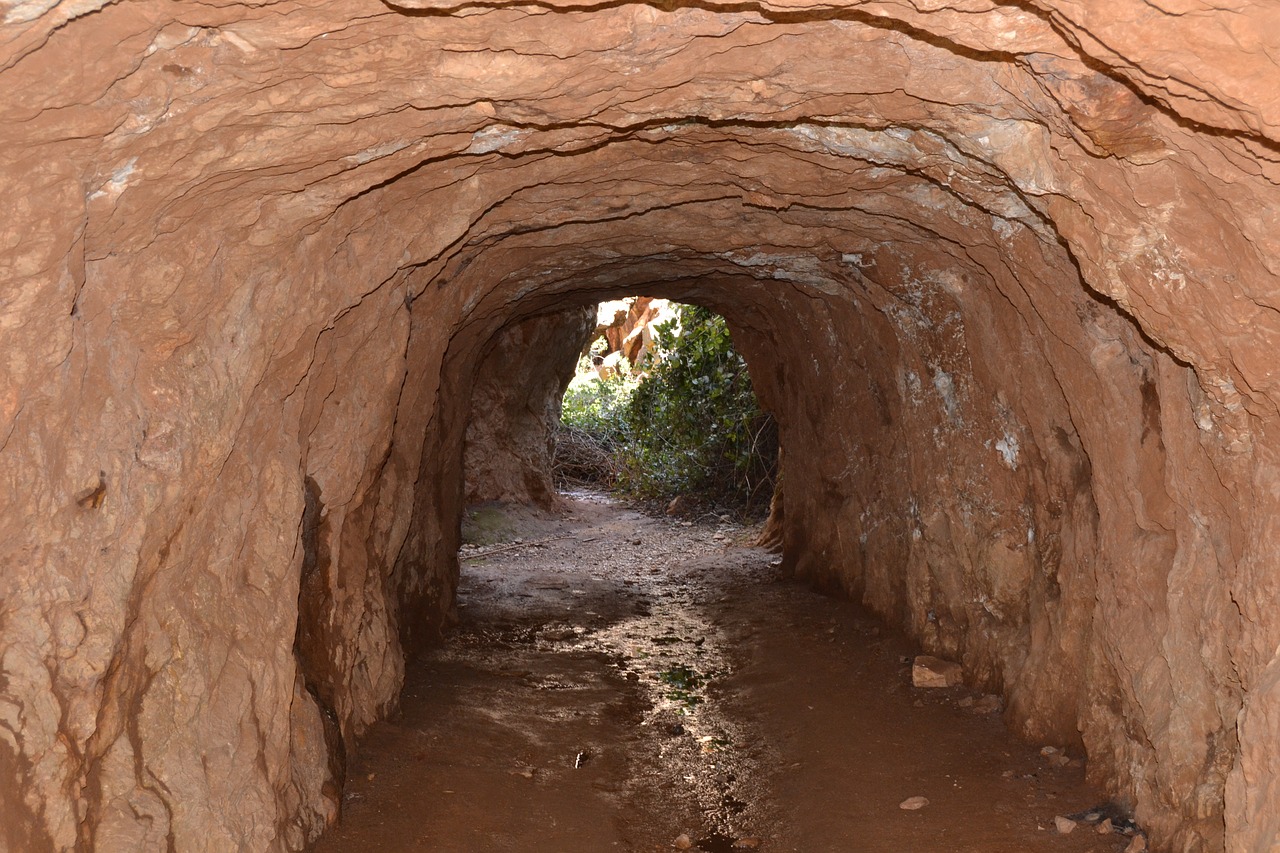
634, 680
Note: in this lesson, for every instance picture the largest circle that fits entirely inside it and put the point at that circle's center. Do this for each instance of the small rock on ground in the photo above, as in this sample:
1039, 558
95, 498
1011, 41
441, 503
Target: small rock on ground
928, 671
912, 803
988, 704
1064, 825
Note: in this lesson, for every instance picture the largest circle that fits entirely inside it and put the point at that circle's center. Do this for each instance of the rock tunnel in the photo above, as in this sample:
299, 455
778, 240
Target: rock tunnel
1006, 273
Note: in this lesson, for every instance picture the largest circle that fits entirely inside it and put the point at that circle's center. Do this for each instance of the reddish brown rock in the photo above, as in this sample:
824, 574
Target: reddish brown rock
928, 671
515, 403
1006, 274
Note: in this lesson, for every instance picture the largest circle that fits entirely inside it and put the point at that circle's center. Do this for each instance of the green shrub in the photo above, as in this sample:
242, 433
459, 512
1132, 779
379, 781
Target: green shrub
694, 423
593, 430
692, 426
598, 407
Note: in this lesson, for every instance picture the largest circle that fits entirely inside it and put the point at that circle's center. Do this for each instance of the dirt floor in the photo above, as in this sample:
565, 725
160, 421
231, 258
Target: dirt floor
622, 682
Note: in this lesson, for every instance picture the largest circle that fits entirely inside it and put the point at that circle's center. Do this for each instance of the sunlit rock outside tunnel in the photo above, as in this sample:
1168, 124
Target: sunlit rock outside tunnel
1005, 273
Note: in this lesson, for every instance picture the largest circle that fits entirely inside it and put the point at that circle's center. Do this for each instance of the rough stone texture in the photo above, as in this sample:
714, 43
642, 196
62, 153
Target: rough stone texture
928, 671
515, 403
629, 335
1007, 274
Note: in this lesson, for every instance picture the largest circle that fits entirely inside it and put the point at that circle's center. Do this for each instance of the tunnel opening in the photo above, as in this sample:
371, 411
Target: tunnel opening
869, 345
980, 615
655, 403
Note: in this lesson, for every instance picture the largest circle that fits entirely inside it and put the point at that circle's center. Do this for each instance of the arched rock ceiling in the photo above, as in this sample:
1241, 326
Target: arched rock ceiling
281, 116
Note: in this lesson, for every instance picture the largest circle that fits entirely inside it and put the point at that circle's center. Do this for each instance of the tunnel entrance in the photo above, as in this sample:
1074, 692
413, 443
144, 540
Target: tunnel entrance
634, 674
883, 528
662, 408
655, 403
629, 674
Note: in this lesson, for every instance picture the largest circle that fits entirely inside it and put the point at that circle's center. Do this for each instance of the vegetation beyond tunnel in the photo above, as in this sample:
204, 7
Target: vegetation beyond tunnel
668, 414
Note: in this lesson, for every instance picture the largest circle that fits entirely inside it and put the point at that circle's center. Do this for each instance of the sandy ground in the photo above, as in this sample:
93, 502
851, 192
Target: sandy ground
618, 681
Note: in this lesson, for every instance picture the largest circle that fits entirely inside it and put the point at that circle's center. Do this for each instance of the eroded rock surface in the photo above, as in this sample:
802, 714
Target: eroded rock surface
515, 403
1006, 273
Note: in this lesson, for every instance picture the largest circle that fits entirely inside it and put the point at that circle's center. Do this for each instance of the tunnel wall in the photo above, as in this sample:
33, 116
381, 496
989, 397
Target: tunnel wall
515, 407
1006, 273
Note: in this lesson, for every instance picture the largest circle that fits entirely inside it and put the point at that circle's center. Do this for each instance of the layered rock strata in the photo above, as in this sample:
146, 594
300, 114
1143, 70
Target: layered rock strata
1005, 272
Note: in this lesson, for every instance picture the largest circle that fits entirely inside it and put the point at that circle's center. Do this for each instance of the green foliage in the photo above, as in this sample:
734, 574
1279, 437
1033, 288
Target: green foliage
598, 407
692, 426
695, 425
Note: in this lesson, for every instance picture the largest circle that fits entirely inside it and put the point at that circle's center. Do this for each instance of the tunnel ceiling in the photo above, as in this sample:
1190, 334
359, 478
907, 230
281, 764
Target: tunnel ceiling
395, 135
1007, 272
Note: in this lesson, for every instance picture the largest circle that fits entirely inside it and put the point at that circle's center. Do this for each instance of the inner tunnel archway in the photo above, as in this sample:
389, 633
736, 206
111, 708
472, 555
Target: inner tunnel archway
856, 348
1003, 272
